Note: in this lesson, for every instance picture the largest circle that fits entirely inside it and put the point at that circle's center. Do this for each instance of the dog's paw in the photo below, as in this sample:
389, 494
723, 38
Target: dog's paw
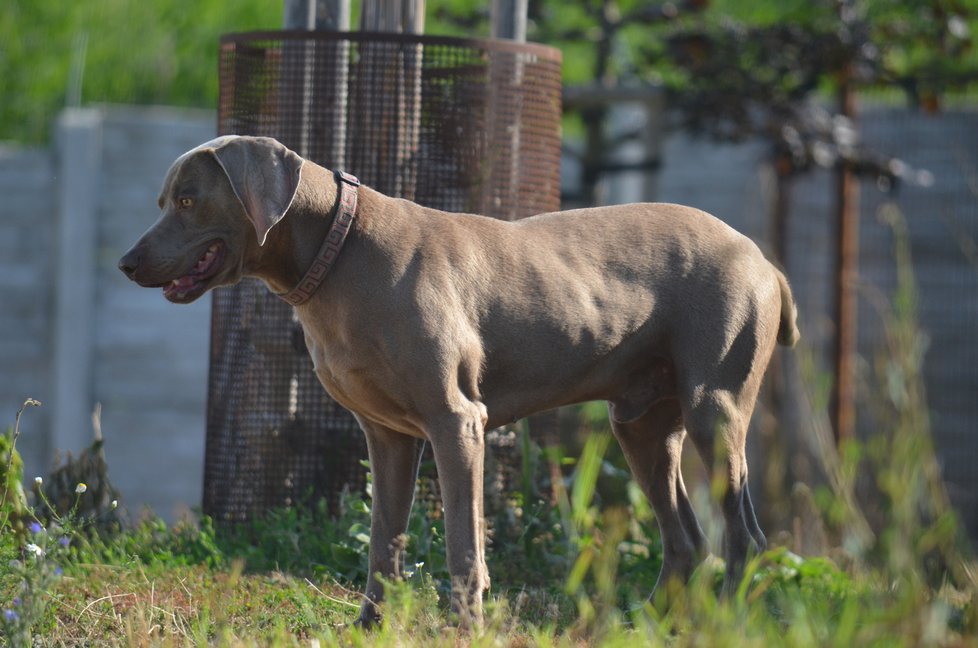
370, 617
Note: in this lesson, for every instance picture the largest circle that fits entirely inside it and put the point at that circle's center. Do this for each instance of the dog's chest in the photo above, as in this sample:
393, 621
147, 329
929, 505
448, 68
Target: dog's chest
345, 372
330, 363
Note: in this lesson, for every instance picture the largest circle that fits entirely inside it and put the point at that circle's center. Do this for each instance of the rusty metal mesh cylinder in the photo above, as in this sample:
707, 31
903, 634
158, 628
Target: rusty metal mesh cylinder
455, 124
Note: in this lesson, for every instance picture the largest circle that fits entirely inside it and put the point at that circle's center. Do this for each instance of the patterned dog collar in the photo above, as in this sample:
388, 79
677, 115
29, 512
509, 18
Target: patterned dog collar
345, 211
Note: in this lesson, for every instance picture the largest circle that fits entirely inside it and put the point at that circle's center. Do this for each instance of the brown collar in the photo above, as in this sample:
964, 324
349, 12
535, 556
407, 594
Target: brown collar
346, 208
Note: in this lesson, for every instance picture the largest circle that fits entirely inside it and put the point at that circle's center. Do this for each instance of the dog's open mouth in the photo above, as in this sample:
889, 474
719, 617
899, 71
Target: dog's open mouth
189, 287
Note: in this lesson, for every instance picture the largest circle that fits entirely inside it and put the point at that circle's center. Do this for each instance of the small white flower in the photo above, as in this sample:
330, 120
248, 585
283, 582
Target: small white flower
34, 549
115, 504
81, 488
38, 481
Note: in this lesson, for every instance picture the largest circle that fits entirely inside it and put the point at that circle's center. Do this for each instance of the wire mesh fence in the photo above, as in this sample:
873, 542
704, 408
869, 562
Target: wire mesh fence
938, 222
455, 124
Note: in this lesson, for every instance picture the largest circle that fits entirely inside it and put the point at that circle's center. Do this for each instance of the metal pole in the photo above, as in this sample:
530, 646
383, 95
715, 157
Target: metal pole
509, 19
299, 14
393, 16
400, 68
506, 75
321, 15
315, 135
509, 22
318, 134
332, 15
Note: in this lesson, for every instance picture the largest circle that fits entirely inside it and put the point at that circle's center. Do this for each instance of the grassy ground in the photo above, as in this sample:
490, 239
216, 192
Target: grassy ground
141, 605
290, 579
791, 602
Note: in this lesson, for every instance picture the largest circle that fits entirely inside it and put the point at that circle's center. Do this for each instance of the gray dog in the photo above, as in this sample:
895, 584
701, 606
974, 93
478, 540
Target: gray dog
436, 327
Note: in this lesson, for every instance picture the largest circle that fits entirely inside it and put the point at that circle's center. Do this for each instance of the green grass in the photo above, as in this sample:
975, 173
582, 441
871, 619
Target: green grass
186, 603
791, 601
288, 580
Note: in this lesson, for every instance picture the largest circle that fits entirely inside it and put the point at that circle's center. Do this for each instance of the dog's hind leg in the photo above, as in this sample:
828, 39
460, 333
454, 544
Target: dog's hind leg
717, 389
718, 429
752, 525
652, 445
690, 524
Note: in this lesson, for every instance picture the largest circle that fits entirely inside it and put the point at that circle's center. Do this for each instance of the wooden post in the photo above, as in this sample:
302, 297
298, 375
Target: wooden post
847, 272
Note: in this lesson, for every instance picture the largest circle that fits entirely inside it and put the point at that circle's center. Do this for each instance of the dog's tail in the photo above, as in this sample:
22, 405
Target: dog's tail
788, 328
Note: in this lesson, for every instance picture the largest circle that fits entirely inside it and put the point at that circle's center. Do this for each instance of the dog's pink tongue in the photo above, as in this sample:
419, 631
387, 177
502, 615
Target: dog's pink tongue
183, 284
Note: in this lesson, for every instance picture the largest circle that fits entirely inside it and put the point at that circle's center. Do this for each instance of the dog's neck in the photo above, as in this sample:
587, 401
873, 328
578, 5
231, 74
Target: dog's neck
294, 243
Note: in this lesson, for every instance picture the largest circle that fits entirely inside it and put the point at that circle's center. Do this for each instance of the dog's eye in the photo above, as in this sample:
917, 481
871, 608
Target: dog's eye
186, 202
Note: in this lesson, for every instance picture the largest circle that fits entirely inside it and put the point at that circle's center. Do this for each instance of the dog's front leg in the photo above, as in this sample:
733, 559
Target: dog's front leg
458, 441
394, 461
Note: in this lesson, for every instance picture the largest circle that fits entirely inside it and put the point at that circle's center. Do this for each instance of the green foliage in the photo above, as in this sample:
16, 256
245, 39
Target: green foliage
166, 51
13, 503
113, 51
34, 548
32, 574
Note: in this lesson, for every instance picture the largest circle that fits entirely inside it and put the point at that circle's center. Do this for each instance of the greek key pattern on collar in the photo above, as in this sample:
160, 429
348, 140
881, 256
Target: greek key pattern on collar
345, 211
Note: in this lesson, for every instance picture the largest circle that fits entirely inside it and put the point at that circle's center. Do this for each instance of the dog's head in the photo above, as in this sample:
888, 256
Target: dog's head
215, 199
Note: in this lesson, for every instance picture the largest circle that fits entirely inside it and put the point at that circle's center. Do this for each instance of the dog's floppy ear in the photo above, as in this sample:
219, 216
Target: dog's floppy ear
264, 175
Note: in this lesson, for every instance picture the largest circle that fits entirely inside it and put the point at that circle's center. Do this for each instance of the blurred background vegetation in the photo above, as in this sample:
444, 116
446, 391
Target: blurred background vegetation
165, 52
113, 51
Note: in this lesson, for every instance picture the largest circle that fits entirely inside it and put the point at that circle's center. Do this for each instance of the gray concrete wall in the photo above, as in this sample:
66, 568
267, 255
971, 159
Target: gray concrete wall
151, 374
27, 228
75, 332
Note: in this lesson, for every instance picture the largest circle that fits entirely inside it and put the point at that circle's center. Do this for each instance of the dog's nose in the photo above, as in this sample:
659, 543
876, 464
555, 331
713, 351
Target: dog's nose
130, 263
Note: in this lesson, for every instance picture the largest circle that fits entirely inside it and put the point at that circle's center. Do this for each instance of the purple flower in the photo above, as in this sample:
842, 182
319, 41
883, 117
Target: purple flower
16, 601
58, 571
35, 527
64, 541
10, 615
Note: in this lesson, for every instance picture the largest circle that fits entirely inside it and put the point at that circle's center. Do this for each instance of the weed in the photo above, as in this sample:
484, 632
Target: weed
40, 552
13, 502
